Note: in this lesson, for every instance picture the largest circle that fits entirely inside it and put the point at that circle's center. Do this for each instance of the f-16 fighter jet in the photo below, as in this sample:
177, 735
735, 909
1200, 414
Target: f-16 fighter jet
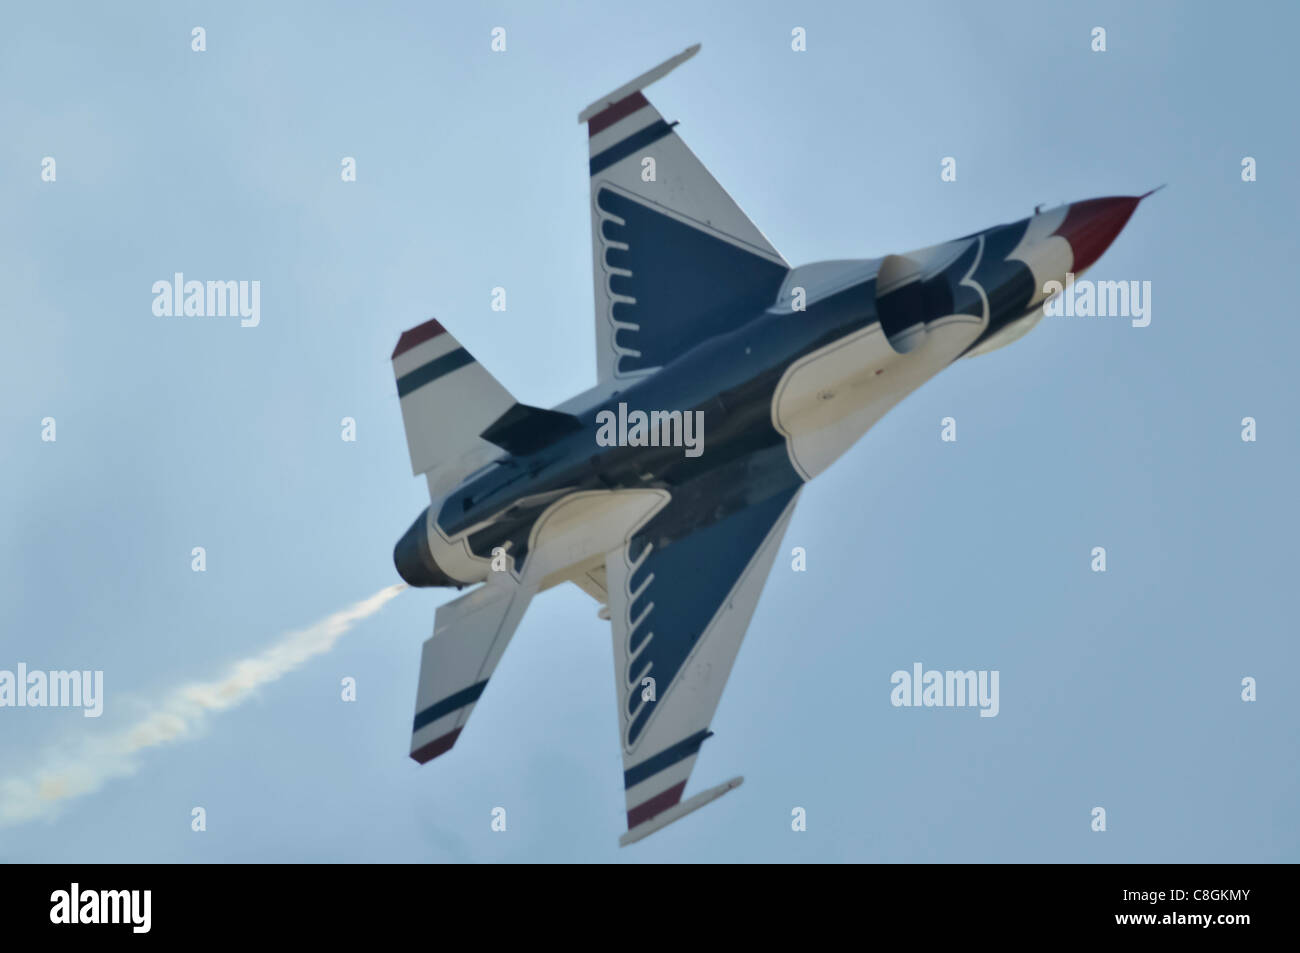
727, 381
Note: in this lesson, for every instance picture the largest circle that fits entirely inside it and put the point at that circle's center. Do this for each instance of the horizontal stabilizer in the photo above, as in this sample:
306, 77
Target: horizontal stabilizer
447, 399
522, 429
469, 636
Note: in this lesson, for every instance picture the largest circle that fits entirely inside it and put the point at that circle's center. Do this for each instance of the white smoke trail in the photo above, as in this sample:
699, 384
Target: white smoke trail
65, 774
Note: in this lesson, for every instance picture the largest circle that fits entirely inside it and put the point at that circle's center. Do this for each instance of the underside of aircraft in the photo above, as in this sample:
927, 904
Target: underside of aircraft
727, 380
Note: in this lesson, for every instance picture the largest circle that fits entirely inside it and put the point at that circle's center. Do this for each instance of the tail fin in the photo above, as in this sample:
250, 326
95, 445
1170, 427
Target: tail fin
448, 399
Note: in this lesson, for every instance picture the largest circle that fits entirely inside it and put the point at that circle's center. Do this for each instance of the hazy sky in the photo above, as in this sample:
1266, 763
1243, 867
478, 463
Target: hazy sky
1120, 690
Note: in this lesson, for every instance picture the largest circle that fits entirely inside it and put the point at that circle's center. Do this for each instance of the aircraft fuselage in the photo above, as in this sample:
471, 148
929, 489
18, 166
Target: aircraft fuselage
779, 397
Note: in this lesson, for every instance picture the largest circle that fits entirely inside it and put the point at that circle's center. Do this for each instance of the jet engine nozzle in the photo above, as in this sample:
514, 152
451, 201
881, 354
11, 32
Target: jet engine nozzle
414, 561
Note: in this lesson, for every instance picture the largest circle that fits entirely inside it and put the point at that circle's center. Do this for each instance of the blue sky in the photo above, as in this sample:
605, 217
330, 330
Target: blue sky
1119, 690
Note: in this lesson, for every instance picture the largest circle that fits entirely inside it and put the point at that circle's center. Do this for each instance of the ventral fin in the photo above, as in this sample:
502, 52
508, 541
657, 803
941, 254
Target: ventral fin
522, 429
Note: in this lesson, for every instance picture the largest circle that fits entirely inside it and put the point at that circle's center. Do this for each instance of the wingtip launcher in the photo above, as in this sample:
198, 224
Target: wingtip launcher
638, 84
678, 811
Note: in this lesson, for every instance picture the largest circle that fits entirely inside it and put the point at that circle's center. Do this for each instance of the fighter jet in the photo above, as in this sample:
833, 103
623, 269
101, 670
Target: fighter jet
727, 381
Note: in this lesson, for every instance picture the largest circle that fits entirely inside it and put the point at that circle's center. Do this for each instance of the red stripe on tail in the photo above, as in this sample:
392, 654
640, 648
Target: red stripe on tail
418, 335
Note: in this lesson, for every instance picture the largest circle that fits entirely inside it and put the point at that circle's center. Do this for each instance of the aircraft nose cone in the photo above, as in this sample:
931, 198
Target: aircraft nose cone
1091, 226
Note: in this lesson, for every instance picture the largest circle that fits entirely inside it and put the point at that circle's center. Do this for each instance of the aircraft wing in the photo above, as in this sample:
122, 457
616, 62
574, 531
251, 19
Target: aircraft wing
675, 260
679, 613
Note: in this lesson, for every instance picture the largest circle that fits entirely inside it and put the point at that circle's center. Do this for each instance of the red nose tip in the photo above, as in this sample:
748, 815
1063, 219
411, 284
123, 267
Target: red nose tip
1091, 226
